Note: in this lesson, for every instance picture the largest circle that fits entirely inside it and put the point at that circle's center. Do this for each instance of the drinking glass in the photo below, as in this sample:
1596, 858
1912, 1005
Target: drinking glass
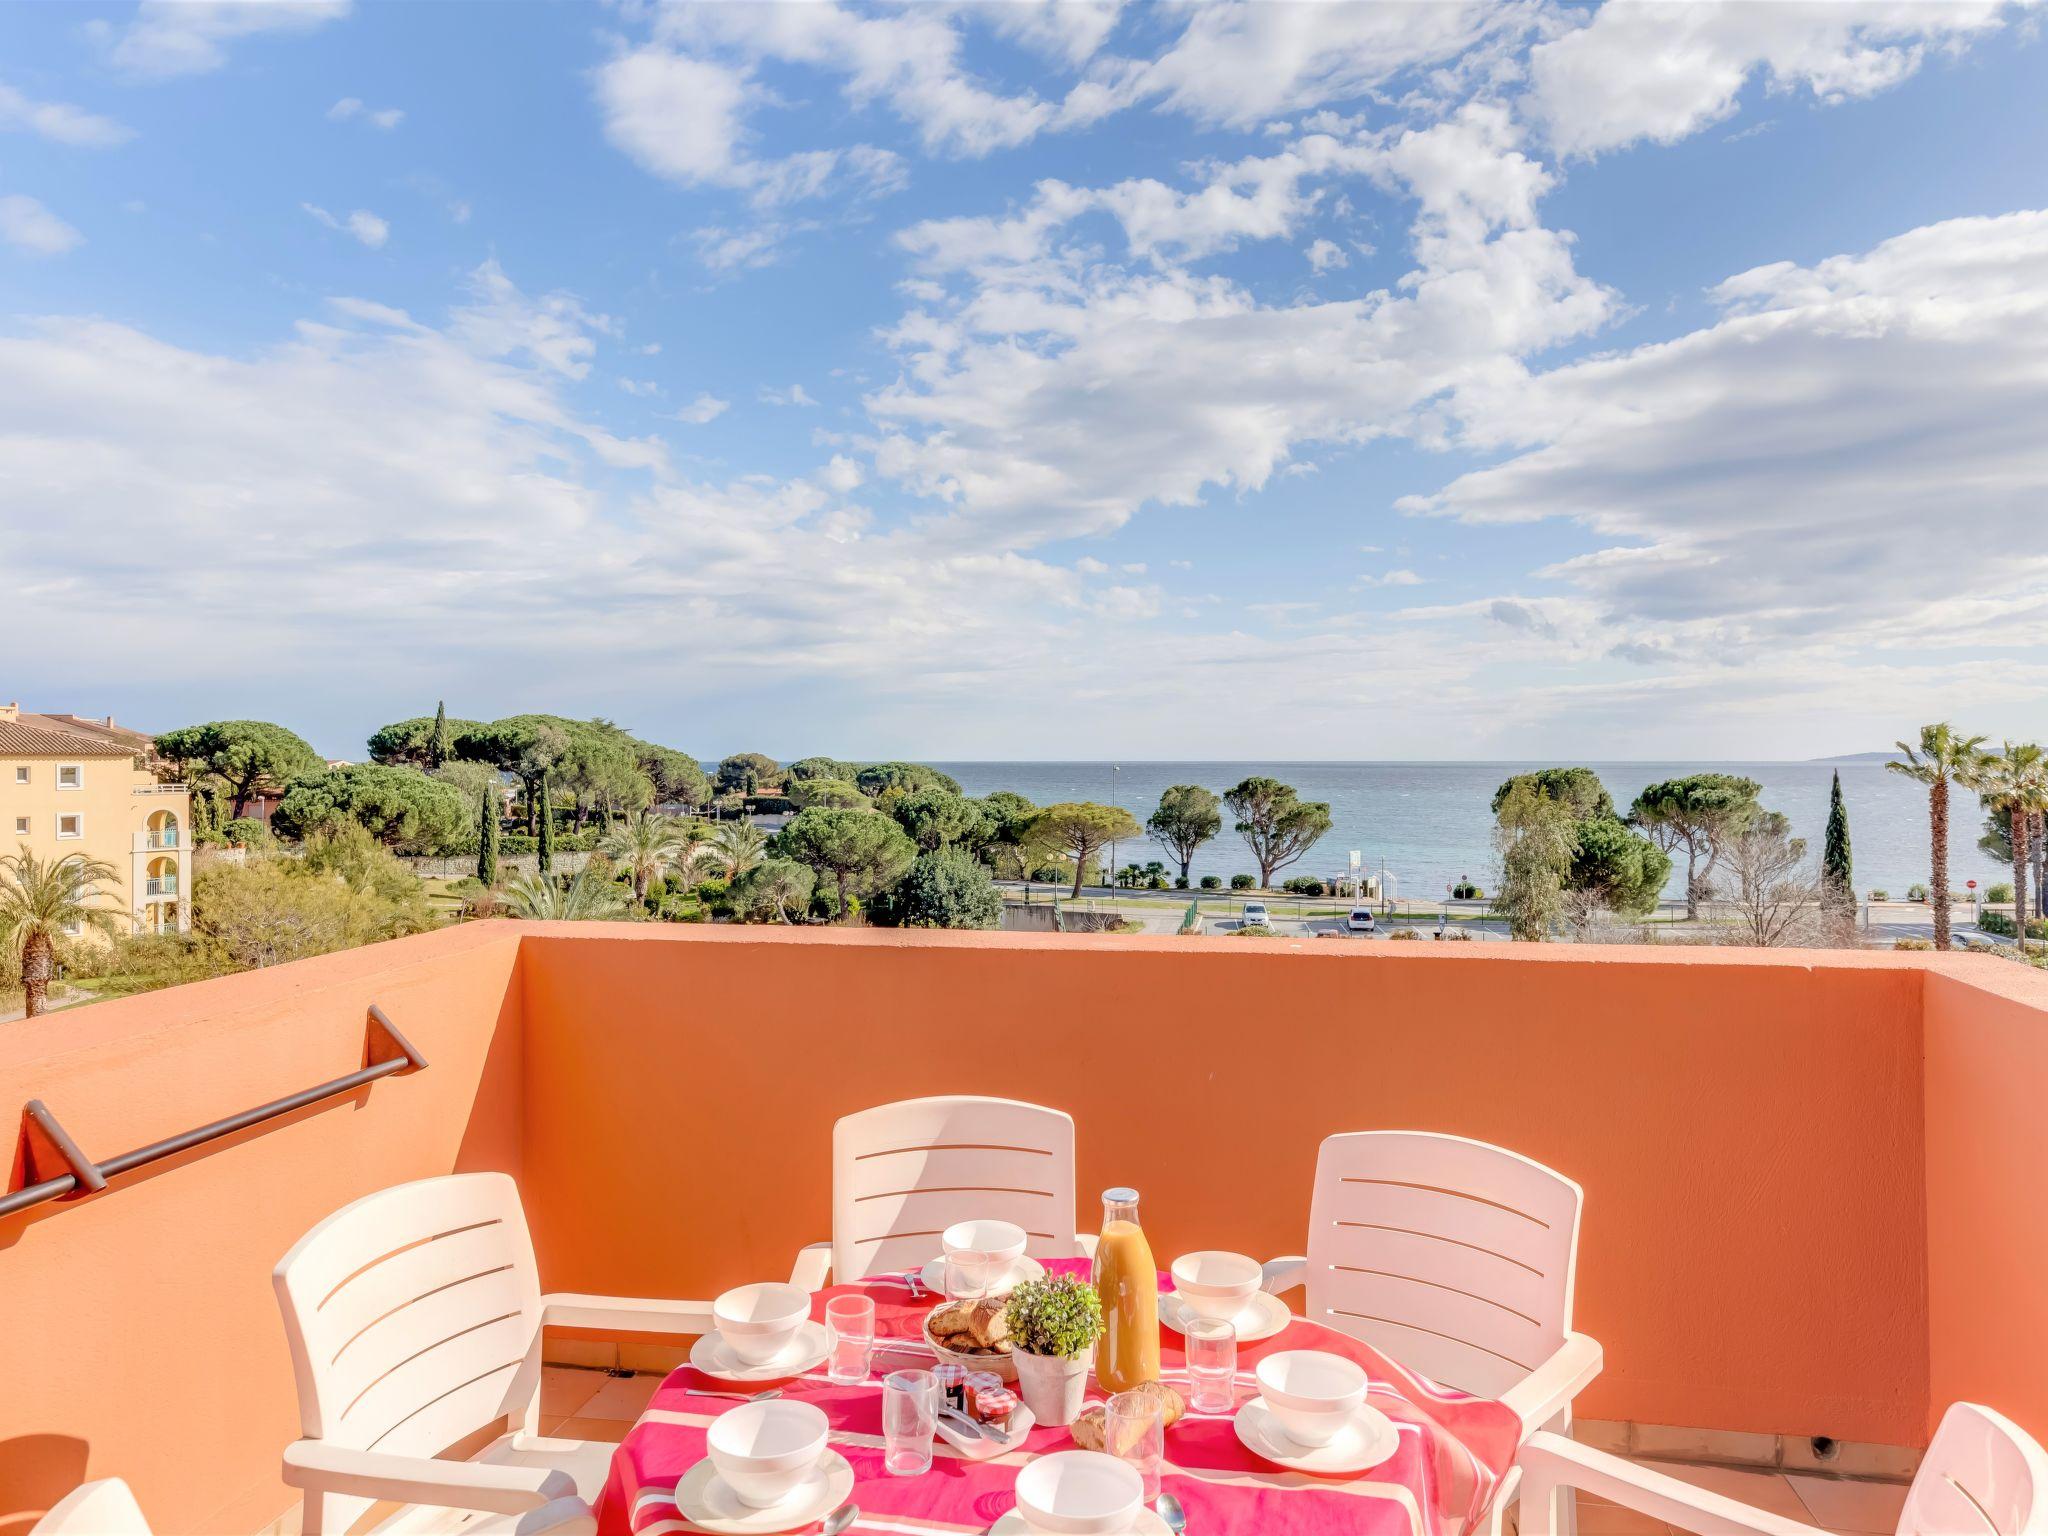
910, 1414
1135, 1432
1212, 1364
850, 1334
969, 1274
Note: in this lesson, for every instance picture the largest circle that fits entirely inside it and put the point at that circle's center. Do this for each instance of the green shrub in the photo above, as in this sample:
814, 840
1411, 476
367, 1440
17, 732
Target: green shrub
1052, 874
1252, 931
1916, 893
1304, 885
1212, 882
2001, 924
1159, 883
948, 889
246, 832
1465, 890
1409, 933
1180, 882
1880, 894
1913, 944
2001, 892
770, 805
1243, 882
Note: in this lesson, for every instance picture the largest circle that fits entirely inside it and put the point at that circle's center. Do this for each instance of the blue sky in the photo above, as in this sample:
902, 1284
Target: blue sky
1354, 380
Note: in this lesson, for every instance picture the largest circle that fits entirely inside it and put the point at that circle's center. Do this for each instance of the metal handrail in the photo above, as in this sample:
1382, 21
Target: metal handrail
390, 1052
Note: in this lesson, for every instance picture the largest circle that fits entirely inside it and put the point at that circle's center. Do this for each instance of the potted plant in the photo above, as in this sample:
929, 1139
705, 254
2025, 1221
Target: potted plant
1053, 1323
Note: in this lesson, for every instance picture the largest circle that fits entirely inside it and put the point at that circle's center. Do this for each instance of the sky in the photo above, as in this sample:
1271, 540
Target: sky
1023, 380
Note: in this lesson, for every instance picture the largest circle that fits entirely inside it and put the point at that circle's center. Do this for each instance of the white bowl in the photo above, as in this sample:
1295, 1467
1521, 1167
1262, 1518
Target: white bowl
1079, 1493
1216, 1284
1002, 1243
1310, 1393
763, 1451
759, 1321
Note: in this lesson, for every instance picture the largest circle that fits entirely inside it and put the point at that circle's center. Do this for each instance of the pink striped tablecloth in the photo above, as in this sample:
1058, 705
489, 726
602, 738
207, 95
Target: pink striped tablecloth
1451, 1455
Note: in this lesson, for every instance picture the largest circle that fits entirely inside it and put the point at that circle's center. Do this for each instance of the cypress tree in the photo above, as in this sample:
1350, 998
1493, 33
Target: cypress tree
487, 838
439, 748
545, 803
1837, 868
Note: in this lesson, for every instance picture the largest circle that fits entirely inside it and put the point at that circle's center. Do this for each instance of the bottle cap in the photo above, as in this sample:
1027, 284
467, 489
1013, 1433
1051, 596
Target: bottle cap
1120, 1195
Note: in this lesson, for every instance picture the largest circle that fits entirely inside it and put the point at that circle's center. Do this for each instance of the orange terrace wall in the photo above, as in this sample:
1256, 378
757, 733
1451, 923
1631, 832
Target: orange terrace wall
1806, 1175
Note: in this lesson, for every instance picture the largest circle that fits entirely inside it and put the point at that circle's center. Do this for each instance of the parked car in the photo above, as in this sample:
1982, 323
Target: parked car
1360, 920
1254, 915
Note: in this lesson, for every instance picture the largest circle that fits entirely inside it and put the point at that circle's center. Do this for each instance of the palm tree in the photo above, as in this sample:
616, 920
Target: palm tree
39, 900
1944, 758
735, 848
587, 898
2015, 782
647, 845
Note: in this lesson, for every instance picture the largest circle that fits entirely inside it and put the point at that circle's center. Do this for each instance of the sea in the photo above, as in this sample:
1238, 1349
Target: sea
1429, 824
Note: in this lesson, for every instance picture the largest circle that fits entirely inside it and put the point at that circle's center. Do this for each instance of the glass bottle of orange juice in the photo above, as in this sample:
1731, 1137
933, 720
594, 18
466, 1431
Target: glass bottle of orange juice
1128, 1282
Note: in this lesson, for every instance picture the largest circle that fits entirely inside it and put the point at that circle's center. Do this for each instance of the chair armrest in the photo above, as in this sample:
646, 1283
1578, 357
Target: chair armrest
628, 1314
1283, 1274
564, 1517
492, 1488
1549, 1461
813, 1268
1549, 1389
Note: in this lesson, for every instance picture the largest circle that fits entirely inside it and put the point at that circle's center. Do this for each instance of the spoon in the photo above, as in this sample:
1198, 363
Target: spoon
839, 1520
1170, 1511
740, 1397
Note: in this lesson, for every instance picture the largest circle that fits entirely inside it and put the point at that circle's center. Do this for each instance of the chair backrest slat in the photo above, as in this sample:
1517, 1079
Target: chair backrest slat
1453, 1257
413, 1316
902, 1173
102, 1508
1982, 1476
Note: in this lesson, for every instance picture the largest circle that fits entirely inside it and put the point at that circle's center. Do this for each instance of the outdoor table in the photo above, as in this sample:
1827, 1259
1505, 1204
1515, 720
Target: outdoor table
1451, 1454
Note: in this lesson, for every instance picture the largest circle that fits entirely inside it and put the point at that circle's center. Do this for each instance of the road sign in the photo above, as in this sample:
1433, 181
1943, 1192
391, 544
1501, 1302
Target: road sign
1971, 884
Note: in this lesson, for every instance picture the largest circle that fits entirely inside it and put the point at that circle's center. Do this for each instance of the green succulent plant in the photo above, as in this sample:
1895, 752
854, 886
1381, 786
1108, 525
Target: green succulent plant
1058, 1315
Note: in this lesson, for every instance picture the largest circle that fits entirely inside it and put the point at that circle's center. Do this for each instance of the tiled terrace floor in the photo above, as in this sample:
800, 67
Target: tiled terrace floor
592, 1405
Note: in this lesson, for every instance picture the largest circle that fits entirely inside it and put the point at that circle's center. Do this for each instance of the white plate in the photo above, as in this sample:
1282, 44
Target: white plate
933, 1276
1366, 1441
714, 1357
978, 1447
1148, 1523
705, 1499
1262, 1317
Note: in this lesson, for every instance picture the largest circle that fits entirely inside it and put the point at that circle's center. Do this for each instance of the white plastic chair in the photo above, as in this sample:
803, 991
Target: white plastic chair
1982, 1476
902, 1173
1457, 1260
108, 1508
414, 1317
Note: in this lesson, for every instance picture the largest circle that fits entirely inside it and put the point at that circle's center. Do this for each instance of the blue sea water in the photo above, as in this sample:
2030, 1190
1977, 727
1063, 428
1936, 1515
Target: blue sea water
1430, 823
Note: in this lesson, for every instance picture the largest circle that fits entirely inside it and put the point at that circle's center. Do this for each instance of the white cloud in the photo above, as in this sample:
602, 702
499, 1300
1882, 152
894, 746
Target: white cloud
794, 395
1664, 69
349, 107
27, 225
639, 388
1775, 485
190, 37
59, 121
842, 474
706, 407
362, 224
1326, 254
1401, 578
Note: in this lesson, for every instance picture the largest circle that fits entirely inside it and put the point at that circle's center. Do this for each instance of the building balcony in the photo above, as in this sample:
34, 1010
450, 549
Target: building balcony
161, 839
157, 886
1811, 1179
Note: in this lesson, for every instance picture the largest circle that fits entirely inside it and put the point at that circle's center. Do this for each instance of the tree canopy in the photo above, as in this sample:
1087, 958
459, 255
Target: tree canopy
412, 741
878, 779
938, 818
807, 768
1618, 868
839, 794
746, 772
1578, 790
244, 755
1700, 813
1276, 825
1077, 828
1188, 816
403, 808
860, 851
1558, 825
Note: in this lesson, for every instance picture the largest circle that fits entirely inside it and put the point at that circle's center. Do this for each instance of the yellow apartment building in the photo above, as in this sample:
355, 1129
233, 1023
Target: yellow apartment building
75, 785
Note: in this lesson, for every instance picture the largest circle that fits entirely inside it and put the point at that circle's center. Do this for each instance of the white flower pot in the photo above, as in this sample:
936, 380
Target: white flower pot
1052, 1386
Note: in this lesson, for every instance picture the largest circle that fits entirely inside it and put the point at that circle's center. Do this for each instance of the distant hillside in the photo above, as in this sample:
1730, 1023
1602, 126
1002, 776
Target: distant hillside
1860, 757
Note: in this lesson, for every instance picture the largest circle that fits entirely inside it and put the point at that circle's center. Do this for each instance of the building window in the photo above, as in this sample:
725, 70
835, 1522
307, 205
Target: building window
21, 773
72, 825
69, 776
21, 826
74, 926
